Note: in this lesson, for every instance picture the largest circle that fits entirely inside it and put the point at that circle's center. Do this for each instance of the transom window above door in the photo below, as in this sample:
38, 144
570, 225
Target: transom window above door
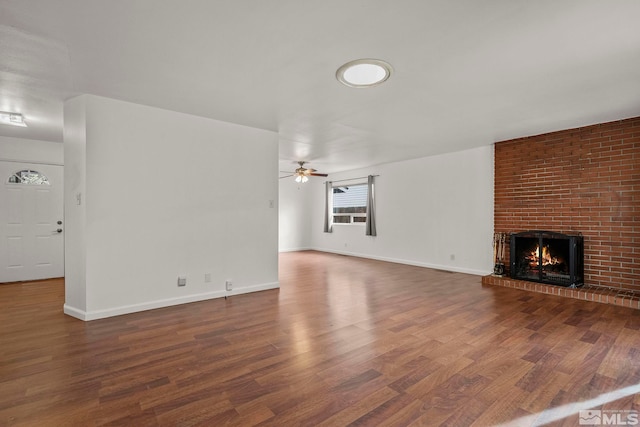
29, 177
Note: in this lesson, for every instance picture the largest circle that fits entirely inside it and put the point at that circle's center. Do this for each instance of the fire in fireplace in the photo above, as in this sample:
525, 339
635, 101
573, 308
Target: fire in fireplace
547, 257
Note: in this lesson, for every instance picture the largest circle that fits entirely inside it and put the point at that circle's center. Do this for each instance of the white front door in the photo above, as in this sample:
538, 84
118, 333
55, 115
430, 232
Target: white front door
31, 222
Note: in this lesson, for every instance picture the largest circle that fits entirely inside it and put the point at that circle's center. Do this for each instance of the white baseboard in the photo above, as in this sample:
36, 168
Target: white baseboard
134, 308
74, 312
410, 262
295, 249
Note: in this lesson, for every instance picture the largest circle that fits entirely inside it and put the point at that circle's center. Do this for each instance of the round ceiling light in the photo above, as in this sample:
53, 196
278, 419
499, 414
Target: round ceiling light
364, 73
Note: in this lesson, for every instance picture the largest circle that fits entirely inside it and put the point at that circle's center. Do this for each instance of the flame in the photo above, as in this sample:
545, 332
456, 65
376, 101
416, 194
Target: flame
547, 259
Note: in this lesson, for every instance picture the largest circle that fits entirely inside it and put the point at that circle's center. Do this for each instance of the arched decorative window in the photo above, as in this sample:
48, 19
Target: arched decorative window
28, 177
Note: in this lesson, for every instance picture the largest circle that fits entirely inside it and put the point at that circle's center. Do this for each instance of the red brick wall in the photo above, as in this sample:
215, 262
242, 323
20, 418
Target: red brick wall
584, 180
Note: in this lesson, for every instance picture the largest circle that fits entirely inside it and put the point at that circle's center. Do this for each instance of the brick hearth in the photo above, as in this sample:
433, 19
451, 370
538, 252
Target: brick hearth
621, 297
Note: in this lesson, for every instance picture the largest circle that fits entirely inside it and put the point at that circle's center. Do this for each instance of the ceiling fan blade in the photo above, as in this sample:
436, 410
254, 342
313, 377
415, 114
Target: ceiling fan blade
287, 176
319, 174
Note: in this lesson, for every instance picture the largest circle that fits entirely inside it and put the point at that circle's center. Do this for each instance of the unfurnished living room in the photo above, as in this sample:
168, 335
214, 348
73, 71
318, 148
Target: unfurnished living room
331, 213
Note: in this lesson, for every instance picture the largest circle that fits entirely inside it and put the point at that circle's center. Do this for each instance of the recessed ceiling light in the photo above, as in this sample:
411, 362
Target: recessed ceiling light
15, 119
364, 73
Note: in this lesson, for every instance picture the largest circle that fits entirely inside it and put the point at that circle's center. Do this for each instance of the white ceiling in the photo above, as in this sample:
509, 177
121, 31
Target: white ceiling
467, 72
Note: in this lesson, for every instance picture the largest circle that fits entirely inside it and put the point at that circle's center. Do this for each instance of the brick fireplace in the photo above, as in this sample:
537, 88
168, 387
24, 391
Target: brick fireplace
579, 181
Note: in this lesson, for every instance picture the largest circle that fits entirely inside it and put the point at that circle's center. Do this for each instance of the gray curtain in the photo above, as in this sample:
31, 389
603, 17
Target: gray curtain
328, 207
371, 210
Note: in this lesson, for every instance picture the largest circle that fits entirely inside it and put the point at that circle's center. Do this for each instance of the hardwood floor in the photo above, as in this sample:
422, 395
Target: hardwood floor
345, 341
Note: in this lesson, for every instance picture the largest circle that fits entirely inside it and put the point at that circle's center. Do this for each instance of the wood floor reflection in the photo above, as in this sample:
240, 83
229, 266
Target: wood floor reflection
344, 341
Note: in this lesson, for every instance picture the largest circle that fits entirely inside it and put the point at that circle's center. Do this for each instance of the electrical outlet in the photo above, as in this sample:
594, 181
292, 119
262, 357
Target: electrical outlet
229, 285
207, 277
182, 280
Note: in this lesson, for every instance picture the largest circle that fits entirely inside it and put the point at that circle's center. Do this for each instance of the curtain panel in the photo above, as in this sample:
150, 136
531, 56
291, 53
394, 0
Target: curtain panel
371, 210
328, 207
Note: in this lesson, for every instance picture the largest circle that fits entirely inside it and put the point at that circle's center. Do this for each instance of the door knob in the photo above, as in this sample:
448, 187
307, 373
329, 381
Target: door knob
59, 230
59, 222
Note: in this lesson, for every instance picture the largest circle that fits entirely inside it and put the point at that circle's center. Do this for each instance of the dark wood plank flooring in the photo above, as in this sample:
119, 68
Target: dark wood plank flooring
345, 341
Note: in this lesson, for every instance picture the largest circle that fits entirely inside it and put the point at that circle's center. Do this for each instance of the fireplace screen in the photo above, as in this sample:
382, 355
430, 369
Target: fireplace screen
547, 257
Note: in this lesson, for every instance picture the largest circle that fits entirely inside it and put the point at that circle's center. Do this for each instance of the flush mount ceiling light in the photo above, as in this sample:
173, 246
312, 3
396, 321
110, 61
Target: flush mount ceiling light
364, 73
14, 119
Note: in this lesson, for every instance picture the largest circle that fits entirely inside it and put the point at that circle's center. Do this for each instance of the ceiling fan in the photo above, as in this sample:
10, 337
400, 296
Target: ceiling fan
302, 174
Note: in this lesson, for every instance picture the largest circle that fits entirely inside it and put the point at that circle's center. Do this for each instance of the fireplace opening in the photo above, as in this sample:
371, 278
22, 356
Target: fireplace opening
547, 257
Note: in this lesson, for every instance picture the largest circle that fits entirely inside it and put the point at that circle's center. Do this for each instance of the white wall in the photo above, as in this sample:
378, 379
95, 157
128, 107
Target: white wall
294, 215
31, 151
429, 211
75, 142
165, 197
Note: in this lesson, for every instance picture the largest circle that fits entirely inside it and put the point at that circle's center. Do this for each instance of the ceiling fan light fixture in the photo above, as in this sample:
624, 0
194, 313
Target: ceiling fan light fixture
14, 119
302, 174
363, 73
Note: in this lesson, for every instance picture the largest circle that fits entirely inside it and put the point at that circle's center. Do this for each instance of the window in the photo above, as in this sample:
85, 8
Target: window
350, 204
28, 177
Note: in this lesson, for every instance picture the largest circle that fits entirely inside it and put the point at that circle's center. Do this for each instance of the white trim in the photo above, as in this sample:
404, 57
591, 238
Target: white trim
31, 161
74, 312
134, 308
348, 224
409, 262
295, 249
